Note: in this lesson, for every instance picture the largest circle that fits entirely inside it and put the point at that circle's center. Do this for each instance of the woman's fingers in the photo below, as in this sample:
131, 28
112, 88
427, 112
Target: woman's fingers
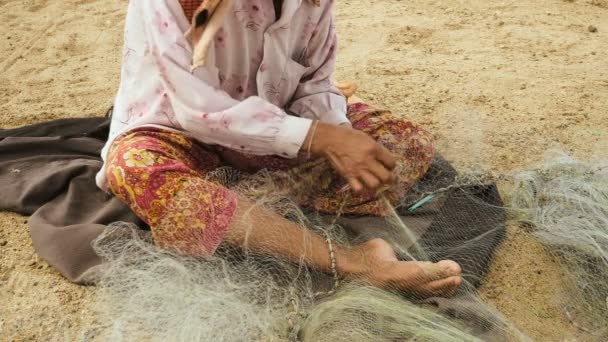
381, 172
355, 185
363, 162
446, 286
386, 157
370, 180
370, 176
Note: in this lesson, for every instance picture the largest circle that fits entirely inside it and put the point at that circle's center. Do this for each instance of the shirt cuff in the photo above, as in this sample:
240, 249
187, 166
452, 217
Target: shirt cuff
336, 117
292, 133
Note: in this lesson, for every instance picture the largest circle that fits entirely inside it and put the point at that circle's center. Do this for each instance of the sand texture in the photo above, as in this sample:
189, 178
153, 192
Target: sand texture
497, 82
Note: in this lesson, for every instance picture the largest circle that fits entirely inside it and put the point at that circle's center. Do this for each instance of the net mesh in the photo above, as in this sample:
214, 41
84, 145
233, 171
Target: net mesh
150, 294
564, 205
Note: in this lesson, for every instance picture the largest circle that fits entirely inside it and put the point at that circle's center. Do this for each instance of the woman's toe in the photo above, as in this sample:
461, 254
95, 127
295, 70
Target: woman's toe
452, 268
445, 286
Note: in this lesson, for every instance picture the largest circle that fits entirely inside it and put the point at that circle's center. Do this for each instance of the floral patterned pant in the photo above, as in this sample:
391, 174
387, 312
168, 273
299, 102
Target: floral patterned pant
162, 176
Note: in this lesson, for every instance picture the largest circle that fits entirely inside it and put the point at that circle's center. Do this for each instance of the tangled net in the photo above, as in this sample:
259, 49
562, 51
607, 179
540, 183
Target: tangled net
149, 294
566, 205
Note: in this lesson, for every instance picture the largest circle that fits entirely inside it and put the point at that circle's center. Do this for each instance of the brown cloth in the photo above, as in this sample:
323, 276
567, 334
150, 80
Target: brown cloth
48, 171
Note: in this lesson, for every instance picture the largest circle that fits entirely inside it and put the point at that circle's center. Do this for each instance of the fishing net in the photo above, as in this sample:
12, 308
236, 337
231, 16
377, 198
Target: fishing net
565, 206
146, 293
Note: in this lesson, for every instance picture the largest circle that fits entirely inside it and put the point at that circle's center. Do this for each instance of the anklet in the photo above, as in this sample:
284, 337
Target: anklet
332, 258
332, 252
334, 269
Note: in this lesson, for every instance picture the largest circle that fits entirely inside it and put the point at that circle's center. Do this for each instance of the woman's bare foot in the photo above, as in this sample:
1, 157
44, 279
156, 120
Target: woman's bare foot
376, 262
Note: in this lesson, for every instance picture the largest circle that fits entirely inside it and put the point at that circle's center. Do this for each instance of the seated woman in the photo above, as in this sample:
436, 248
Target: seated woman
263, 98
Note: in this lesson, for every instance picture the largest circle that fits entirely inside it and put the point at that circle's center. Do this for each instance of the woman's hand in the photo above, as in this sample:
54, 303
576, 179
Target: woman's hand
358, 158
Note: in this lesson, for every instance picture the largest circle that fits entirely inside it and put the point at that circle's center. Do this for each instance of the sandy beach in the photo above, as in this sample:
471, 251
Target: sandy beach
499, 83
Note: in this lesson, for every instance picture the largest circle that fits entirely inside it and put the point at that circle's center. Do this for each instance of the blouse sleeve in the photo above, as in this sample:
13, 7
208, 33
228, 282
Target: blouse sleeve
316, 96
207, 113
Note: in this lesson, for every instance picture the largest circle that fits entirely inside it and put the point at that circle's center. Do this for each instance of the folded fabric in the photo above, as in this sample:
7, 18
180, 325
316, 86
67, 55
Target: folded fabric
48, 171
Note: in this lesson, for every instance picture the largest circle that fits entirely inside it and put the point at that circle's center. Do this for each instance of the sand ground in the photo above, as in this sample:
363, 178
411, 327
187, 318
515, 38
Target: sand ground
498, 82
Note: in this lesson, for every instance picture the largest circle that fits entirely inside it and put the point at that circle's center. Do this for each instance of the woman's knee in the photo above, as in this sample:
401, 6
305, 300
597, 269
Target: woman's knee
403, 136
159, 179
137, 162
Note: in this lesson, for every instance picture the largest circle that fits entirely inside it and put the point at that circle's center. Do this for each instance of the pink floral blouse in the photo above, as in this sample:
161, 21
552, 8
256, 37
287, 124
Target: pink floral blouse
265, 81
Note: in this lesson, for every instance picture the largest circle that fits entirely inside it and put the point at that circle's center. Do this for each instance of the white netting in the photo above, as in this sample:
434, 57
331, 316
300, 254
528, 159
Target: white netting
148, 294
566, 204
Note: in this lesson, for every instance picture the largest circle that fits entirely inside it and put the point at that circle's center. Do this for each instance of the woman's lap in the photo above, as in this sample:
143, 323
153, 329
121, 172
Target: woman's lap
161, 175
314, 185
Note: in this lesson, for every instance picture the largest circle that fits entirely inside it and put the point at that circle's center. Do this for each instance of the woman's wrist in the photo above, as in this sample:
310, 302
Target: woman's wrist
321, 137
310, 137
